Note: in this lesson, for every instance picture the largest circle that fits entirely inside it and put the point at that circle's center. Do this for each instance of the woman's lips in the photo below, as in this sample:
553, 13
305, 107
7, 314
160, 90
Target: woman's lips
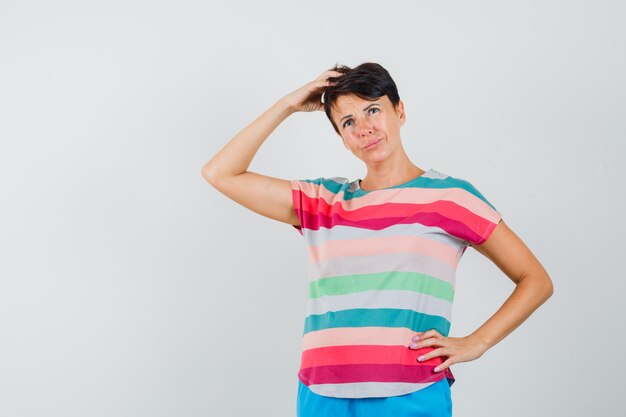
371, 145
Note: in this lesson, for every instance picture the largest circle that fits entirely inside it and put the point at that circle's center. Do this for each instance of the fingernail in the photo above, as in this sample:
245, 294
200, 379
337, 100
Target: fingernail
413, 345
421, 358
415, 338
437, 369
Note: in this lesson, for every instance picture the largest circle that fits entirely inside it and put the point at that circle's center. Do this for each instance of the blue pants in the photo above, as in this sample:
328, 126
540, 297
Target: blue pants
433, 401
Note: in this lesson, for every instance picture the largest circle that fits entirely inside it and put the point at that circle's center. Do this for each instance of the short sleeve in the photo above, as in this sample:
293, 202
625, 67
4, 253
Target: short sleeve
480, 217
306, 200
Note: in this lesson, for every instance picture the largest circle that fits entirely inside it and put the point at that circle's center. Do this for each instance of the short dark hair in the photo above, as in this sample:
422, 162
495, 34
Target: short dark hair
368, 81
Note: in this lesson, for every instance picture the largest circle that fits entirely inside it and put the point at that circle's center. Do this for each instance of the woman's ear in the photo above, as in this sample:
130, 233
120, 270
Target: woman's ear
401, 113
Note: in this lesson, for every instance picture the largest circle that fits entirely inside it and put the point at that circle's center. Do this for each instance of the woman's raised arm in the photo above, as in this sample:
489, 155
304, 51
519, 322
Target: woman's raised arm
228, 171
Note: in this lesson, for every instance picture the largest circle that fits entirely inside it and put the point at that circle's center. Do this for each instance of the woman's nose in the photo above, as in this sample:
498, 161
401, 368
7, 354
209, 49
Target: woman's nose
365, 126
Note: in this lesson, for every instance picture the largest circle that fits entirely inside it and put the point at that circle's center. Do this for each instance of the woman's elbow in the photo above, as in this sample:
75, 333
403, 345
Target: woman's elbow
539, 284
207, 172
547, 286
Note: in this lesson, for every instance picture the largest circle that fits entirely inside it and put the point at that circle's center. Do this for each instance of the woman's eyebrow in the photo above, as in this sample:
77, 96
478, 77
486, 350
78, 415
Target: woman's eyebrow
349, 115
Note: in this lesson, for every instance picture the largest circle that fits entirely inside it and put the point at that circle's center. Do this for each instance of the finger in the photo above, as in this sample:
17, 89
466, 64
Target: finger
425, 343
418, 336
320, 85
324, 81
431, 333
435, 333
445, 365
432, 354
423, 336
327, 74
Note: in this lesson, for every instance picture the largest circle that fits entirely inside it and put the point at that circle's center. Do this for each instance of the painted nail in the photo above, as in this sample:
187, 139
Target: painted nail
437, 369
421, 358
413, 345
415, 338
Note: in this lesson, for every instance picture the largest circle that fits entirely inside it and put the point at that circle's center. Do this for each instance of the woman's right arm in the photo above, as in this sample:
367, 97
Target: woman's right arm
228, 171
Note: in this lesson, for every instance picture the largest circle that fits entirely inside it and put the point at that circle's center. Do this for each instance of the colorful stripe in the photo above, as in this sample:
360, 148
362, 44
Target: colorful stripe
357, 336
404, 300
384, 317
366, 354
365, 264
393, 280
334, 374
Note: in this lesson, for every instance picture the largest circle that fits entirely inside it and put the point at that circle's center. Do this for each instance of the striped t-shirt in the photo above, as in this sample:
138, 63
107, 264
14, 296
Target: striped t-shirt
382, 267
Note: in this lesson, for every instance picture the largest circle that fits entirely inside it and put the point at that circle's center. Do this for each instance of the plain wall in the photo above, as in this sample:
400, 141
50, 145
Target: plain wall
130, 287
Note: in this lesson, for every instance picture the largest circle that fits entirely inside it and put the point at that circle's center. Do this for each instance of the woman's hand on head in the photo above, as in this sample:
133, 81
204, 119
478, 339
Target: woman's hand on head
309, 97
451, 349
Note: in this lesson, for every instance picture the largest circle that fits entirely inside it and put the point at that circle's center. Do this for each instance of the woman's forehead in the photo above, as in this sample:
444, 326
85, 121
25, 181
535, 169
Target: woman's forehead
346, 103
353, 99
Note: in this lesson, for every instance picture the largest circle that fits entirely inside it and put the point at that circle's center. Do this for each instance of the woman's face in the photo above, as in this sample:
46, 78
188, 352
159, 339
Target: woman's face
369, 129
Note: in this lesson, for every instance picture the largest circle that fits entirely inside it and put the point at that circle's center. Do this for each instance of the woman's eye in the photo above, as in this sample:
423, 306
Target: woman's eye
345, 124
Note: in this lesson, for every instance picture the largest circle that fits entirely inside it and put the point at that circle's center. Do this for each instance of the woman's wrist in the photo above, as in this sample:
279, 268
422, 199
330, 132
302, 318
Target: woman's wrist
480, 341
285, 107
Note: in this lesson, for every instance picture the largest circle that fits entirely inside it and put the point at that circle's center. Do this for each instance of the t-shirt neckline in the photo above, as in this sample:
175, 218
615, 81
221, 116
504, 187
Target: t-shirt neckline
358, 183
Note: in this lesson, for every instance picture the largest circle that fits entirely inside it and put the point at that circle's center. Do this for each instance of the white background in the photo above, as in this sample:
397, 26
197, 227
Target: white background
131, 287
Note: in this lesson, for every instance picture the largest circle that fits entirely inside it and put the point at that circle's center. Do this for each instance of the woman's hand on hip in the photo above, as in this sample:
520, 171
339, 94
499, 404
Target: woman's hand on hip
454, 349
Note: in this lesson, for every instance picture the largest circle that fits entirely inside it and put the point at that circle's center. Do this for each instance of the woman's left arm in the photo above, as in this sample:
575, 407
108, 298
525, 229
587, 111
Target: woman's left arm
533, 287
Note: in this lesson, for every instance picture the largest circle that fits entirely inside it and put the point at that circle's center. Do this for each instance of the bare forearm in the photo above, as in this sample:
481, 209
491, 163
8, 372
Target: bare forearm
235, 157
530, 293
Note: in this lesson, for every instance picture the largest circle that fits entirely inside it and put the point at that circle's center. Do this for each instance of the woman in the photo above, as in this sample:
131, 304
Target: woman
384, 252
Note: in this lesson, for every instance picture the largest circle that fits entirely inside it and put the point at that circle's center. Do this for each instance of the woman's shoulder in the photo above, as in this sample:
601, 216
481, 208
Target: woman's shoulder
464, 183
327, 180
